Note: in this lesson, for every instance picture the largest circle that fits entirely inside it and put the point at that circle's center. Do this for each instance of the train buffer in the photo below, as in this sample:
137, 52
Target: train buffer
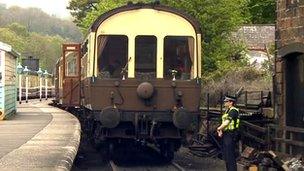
39, 137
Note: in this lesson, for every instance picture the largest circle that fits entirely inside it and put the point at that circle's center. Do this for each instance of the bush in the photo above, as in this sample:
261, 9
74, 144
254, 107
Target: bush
248, 78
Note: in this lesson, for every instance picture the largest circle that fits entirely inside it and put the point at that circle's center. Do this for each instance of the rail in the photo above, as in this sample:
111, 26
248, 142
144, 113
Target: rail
255, 133
290, 138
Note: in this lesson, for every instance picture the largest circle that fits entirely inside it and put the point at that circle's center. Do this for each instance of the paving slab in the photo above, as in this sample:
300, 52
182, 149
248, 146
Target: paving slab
39, 137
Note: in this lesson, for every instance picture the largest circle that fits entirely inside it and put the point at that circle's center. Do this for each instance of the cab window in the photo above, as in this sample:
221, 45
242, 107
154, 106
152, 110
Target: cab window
178, 57
112, 55
71, 64
145, 57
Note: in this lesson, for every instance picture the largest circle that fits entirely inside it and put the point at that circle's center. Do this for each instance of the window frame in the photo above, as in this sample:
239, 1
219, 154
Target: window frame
192, 57
155, 55
98, 53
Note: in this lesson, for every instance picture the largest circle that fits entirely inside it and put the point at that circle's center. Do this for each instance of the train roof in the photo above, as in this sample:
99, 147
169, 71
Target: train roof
156, 6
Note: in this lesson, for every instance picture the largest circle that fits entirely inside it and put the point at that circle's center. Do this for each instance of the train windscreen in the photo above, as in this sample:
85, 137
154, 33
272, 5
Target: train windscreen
145, 57
112, 55
178, 56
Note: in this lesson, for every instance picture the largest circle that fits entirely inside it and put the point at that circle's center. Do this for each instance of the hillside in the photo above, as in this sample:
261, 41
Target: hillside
35, 20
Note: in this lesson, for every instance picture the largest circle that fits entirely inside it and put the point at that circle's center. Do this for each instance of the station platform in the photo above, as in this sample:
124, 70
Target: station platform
39, 137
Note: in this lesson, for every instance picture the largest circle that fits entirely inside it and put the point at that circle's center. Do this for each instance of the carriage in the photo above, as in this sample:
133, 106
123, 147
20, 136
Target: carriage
136, 76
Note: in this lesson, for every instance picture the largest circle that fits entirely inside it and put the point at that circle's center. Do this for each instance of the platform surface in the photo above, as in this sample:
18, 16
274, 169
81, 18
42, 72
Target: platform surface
39, 137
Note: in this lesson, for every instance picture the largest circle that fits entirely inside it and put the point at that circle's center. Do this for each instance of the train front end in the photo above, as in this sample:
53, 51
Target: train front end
141, 76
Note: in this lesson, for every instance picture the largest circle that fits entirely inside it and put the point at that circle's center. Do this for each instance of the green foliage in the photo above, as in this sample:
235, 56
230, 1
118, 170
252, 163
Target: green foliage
262, 11
32, 32
218, 19
36, 20
80, 8
46, 48
10, 37
92, 13
18, 29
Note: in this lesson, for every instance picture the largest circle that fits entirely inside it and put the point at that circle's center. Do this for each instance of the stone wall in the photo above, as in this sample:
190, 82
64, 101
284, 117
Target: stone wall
289, 40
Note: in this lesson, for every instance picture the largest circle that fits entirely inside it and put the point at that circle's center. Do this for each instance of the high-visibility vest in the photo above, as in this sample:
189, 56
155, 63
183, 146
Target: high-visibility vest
234, 123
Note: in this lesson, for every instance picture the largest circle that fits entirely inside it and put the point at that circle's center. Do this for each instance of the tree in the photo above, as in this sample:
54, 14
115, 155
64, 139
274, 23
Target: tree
218, 18
46, 48
18, 29
80, 8
36, 20
262, 11
86, 11
10, 37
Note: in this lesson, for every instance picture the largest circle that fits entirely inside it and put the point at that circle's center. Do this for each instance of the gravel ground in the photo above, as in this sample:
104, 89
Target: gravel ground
91, 159
190, 162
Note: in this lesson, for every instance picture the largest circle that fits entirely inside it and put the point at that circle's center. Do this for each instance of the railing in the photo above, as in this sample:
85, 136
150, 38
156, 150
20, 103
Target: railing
260, 131
33, 92
254, 129
284, 138
254, 99
255, 135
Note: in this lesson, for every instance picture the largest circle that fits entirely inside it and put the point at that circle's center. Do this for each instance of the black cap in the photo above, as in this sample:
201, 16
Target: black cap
229, 98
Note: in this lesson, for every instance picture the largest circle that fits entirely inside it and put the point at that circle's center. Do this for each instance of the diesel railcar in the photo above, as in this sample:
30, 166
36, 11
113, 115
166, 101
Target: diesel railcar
136, 76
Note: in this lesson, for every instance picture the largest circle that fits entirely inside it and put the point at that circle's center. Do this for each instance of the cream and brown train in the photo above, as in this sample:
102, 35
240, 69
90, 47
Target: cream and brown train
135, 76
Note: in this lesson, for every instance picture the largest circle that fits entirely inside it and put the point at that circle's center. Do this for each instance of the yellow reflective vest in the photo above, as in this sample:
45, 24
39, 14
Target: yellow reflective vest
232, 125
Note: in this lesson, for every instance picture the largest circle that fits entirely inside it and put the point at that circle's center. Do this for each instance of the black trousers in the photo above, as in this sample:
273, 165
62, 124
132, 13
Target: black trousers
228, 150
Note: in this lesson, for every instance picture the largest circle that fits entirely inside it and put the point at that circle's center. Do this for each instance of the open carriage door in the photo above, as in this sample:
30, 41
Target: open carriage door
71, 75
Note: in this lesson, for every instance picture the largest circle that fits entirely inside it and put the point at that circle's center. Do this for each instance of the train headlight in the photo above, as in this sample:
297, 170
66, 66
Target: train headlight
109, 117
145, 90
182, 118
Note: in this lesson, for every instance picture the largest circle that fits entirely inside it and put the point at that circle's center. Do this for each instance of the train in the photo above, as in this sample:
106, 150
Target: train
135, 78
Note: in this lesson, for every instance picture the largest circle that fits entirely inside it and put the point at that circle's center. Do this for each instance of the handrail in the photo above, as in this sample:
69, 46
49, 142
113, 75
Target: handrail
288, 128
288, 141
259, 140
255, 127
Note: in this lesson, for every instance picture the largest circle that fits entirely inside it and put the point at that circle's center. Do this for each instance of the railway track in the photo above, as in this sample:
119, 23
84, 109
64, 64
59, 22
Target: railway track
170, 167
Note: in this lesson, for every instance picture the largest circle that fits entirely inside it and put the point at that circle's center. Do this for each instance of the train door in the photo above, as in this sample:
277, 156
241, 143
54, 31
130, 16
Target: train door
71, 75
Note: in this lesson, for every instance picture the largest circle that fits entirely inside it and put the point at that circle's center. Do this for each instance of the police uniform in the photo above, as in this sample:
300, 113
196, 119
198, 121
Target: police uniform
229, 137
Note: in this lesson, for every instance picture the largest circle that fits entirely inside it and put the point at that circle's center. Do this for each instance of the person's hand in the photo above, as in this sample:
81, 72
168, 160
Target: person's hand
220, 133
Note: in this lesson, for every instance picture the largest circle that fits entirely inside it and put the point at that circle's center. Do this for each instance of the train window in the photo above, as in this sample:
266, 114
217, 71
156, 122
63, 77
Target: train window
71, 64
112, 55
145, 57
178, 56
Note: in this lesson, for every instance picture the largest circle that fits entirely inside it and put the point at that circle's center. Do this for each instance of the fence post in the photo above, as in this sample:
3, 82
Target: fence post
19, 71
221, 102
262, 102
246, 94
46, 74
26, 72
20, 88
26, 88
40, 73
208, 104
46, 89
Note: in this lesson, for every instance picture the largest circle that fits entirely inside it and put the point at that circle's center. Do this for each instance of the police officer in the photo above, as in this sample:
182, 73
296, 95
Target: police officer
228, 131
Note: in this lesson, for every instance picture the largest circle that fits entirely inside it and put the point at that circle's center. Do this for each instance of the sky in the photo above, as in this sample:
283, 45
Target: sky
52, 7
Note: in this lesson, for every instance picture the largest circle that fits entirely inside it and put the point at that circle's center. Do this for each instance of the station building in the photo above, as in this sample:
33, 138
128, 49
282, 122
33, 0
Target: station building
289, 70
